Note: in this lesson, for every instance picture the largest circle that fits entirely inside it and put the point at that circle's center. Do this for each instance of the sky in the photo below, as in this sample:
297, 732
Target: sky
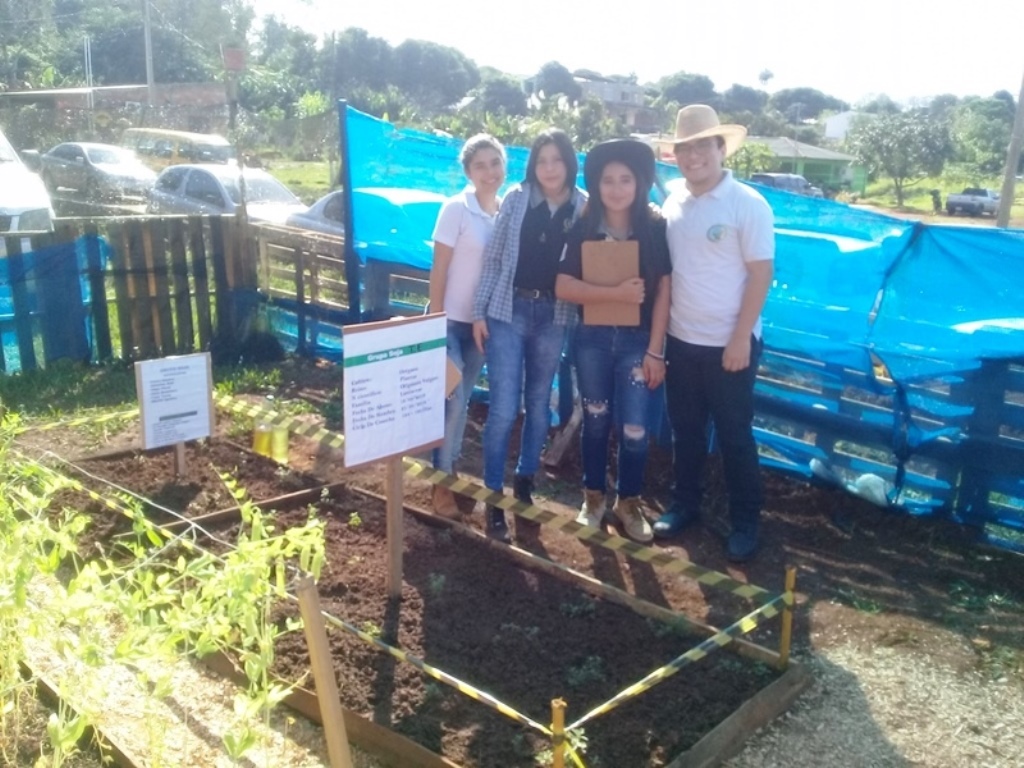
909, 50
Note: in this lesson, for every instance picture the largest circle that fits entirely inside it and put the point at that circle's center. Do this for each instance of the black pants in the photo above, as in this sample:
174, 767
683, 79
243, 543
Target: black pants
698, 387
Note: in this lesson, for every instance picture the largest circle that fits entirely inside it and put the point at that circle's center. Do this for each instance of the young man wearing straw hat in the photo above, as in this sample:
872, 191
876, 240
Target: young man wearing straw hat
722, 244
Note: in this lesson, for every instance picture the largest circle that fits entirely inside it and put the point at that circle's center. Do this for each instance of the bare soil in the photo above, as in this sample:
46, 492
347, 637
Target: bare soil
869, 580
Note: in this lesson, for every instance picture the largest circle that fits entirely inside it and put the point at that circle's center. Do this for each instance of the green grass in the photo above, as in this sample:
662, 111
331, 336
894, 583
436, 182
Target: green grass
917, 198
308, 180
65, 389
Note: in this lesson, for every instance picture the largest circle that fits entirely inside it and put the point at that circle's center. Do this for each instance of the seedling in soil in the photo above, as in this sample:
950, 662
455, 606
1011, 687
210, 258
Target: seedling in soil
590, 670
433, 691
333, 411
354, 520
373, 630
436, 583
859, 602
578, 609
577, 741
528, 633
663, 629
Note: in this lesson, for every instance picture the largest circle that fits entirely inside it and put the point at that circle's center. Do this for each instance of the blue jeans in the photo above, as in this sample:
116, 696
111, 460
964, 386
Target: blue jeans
526, 350
609, 366
469, 360
698, 387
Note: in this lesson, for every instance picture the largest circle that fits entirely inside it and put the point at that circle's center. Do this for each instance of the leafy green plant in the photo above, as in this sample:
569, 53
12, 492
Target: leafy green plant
663, 629
354, 520
372, 629
583, 608
249, 380
435, 582
859, 602
577, 740
510, 629
590, 670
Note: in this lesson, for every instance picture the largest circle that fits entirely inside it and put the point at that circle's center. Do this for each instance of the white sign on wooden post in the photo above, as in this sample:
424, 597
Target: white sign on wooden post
394, 388
394, 394
175, 399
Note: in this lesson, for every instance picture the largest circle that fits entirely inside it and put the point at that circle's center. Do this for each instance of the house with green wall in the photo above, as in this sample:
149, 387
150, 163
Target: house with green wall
823, 167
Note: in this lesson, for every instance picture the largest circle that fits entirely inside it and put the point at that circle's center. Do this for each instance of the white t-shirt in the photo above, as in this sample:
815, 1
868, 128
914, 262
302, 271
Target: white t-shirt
711, 238
465, 227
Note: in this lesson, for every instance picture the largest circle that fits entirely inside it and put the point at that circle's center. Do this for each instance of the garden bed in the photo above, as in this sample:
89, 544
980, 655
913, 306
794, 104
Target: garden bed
522, 636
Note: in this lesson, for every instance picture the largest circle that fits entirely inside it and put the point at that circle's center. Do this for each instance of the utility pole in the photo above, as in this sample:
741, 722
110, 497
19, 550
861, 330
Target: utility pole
149, 54
1012, 162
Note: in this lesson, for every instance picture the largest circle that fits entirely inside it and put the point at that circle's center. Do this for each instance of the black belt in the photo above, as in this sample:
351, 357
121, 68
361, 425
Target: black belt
533, 293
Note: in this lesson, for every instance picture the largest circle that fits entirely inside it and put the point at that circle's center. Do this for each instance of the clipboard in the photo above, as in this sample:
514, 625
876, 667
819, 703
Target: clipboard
608, 263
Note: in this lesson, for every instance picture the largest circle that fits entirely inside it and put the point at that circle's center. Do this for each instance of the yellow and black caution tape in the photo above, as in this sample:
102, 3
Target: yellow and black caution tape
655, 557
294, 425
437, 674
110, 503
81, 421
719, 640
415, 468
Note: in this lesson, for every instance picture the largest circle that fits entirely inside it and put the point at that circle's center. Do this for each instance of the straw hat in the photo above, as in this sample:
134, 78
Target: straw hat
635, 155
697, 121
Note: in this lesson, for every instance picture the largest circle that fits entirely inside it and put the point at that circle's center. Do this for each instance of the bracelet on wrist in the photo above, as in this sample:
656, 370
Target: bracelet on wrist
655, 355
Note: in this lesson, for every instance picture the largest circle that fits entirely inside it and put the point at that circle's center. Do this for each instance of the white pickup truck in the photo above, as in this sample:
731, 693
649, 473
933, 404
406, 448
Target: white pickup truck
973, 201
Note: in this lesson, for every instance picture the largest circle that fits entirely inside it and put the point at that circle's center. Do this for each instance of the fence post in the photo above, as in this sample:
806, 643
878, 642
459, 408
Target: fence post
558, 733
786, 635
323, 675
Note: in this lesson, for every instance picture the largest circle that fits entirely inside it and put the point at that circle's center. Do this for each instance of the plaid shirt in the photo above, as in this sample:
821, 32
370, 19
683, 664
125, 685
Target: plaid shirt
501, 257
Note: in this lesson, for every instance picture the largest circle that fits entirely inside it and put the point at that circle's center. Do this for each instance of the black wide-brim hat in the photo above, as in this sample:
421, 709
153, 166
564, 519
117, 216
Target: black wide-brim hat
634, 154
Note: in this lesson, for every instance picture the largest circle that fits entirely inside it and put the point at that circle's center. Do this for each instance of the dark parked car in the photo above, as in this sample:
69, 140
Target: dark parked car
217, 189
96, 172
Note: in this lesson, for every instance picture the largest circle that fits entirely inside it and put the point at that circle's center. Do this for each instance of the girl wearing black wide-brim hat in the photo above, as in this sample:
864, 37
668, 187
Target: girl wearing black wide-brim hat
619, 366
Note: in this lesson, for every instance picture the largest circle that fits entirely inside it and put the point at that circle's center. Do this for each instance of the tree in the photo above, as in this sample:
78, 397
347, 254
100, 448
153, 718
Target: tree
907, 147
941, 107
880, 105
434, 76
742, 98
804, 103
553, 79
502, 95
764, 76
752, 157
981, 133
361, 61
686, 88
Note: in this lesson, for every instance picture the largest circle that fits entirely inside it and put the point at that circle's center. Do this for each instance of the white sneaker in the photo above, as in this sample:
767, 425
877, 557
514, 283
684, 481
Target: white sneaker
630, 512
593, 510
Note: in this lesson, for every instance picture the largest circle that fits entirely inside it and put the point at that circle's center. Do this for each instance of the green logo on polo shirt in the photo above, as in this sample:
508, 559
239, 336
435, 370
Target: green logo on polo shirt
716, 232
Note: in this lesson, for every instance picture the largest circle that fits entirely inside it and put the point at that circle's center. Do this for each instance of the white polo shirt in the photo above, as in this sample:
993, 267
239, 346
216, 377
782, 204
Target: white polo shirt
465, 227
711, 238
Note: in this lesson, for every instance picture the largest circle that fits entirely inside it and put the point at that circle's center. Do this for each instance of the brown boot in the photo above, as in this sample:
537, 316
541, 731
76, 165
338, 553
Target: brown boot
630, 512
443, 501
593, 510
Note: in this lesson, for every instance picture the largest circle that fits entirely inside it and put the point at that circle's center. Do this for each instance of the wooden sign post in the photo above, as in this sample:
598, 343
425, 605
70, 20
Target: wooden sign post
396, 539
179, 461
175, 403
394, 395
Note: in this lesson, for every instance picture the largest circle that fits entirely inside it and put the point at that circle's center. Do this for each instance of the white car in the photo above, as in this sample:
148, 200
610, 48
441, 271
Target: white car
326, 215
24, 202
218, 189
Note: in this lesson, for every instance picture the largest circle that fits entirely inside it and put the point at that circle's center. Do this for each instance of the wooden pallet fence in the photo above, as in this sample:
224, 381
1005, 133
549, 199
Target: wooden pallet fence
153, 285
953, 443
304, 272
